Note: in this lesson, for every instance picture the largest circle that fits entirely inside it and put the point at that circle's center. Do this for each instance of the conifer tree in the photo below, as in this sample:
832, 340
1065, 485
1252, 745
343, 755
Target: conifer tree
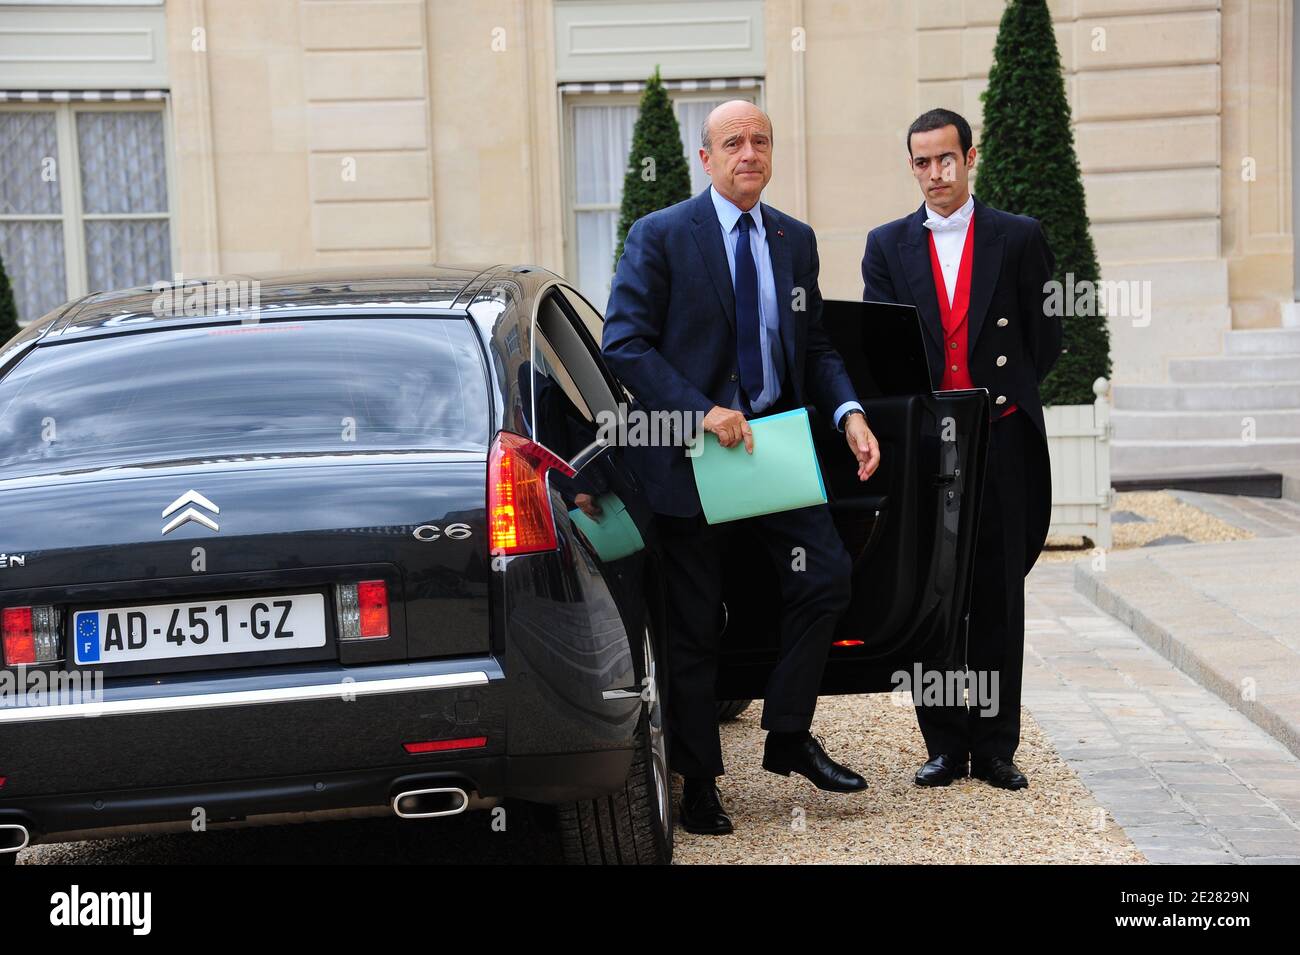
1028, 166
8, 310
657, 174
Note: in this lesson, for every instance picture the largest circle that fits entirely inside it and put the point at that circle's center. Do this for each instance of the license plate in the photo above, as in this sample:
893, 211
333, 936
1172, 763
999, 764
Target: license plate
177, 631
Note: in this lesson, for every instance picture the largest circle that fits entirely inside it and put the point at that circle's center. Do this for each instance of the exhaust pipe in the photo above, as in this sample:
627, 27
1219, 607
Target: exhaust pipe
13, 838
427, 803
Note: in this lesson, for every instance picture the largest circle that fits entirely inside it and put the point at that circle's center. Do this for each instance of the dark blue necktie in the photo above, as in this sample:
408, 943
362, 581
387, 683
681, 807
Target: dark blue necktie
749, 343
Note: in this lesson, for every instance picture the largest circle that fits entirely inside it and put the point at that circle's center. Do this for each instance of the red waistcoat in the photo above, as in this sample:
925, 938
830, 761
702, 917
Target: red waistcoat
956, 367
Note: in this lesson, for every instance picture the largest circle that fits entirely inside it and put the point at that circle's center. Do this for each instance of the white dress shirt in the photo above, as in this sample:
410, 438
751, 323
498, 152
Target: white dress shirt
949, 234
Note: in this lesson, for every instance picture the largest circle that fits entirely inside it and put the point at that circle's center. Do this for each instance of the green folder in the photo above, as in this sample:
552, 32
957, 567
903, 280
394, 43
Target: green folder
782, 474
613, 535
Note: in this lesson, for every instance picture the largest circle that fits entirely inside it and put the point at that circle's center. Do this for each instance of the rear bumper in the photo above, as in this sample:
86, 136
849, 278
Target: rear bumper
312, 739
91, 815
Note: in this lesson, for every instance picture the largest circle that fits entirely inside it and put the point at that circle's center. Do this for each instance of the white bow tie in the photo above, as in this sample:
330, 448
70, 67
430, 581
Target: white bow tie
954, 223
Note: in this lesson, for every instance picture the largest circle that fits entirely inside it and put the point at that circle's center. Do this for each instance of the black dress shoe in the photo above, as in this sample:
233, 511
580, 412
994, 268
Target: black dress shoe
941, 770
999, 772
701, 809
806, 757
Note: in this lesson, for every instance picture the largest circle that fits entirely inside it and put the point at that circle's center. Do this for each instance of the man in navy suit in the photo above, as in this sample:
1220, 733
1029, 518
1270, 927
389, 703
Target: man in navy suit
978, 277
714, 313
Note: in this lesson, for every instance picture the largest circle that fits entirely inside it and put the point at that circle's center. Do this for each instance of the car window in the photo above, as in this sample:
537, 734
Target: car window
565, 364
586, 312
577, 353
559, 417
594, 323
315, 385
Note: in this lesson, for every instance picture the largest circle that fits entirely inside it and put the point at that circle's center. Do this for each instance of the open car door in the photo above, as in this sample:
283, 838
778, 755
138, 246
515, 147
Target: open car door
910, 529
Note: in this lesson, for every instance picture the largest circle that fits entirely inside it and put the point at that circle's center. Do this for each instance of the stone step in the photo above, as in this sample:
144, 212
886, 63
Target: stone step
1236, 369
1262, 341
1147, 457
1290, 479
1231, 396
1249, 480
1204, 425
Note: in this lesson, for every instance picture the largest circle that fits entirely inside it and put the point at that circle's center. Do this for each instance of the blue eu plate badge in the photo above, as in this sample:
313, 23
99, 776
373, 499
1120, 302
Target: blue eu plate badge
87, 630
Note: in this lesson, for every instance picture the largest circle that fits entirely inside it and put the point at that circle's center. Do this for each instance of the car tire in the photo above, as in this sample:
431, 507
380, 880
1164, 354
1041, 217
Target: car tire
728, 710
634, 825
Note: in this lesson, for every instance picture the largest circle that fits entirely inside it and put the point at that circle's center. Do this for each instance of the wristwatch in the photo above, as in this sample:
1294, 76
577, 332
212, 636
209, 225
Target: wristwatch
844, 422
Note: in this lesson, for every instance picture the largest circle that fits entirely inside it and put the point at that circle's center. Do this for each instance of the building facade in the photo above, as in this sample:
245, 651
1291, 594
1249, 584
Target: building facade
140, 139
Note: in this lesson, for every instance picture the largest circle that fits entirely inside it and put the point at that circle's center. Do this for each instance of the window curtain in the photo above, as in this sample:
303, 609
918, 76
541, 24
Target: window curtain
124, 172
690, 117
602, 139
32, 248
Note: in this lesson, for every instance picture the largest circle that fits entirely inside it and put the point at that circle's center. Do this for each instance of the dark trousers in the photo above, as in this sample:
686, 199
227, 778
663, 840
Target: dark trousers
814, 598
996, 641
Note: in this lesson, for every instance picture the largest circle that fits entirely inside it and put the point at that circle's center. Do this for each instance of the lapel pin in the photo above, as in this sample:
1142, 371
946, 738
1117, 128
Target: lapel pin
780, 232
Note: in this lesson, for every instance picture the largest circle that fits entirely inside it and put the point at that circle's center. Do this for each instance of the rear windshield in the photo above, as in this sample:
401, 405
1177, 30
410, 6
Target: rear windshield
335, 385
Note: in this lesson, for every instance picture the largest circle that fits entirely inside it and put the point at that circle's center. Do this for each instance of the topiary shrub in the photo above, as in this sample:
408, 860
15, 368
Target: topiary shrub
657, 176
1028, 166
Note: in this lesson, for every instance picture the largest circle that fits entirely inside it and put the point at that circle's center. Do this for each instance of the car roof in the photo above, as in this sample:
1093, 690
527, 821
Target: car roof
229, 295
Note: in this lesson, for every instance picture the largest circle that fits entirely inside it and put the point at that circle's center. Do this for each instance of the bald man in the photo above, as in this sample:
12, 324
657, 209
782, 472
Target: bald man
714, 313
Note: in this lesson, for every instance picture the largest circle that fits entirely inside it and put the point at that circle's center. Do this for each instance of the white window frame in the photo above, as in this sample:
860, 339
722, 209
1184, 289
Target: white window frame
72, 216
568, 101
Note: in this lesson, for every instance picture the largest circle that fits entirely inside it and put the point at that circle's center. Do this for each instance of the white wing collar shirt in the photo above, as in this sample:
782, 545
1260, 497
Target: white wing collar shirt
949, 233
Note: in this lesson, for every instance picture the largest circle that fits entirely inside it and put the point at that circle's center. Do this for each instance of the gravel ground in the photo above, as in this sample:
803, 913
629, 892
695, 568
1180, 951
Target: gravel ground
1166, 516
778, 820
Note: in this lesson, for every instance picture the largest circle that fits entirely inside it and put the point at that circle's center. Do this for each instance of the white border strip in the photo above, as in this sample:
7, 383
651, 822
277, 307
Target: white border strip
636, 86
80, 96
345, 688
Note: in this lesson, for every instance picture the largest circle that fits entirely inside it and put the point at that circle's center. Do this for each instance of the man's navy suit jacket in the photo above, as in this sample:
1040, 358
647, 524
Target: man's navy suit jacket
670, 330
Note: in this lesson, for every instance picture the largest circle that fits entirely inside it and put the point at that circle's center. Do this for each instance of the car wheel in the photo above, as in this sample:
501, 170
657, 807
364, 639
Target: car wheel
730, 709
633, 826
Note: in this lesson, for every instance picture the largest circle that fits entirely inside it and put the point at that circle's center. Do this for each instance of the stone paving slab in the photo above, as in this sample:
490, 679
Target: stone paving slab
1227, 615
1262, 516
1189, 778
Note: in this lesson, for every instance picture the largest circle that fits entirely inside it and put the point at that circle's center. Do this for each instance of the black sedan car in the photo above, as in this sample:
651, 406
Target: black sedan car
333, 543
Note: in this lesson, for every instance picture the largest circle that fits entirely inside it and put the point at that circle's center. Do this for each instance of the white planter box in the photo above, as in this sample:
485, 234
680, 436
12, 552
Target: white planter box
1078, 440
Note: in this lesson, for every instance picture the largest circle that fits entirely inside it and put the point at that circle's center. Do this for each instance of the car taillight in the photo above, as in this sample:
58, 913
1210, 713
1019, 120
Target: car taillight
362, 610
519, 509
30, 635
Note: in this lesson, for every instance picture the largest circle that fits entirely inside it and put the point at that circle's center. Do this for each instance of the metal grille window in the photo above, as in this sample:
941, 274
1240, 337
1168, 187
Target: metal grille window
84, 200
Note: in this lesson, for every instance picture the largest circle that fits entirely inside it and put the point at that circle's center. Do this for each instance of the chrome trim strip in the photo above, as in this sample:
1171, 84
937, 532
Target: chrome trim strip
208, 701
